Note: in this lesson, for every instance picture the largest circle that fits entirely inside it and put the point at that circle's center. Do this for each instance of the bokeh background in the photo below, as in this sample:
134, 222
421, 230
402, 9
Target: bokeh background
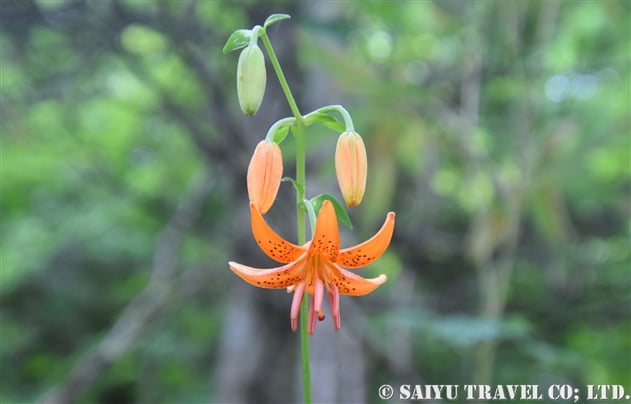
499, 132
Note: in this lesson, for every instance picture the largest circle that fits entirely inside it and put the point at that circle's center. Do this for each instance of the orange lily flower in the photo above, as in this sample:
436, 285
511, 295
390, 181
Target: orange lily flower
316, 265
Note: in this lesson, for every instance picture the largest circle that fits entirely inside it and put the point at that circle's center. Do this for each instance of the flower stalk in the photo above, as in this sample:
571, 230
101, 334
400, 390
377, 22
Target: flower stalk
312, 269
301, 152
281, 76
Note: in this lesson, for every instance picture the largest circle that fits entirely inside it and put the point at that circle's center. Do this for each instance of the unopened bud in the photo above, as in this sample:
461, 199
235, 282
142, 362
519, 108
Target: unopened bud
264, 175
351, 166
251, 78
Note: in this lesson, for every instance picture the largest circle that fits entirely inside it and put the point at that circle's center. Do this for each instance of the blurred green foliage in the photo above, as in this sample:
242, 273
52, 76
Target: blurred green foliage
477, 118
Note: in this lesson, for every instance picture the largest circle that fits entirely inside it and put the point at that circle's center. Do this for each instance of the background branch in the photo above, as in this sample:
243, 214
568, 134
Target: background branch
134, 319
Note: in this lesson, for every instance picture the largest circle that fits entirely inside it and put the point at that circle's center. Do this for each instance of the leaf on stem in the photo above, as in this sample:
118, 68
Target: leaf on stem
275, 18
280, 129
311, 213
237, 40
326, 120
340, 212
280, 134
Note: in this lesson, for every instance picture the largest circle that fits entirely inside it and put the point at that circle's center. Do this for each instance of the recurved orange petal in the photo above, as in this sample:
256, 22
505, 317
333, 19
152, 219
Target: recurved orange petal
326, 239
349, 283
276, 247
371, 249
273, 278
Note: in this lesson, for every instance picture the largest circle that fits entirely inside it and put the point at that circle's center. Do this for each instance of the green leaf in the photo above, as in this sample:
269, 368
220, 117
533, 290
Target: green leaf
340, 212
279, 130
280, 134
326, 120
238, 39
311, 213
275, 18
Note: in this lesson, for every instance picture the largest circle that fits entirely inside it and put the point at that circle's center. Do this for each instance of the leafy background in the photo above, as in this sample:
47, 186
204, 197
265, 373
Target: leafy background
498, 132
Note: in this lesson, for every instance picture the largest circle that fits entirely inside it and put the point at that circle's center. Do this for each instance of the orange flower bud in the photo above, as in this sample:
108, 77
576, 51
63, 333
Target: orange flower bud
351, 166
264, 174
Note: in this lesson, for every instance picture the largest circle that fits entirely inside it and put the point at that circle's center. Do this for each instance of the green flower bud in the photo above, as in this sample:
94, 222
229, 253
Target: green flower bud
251, 78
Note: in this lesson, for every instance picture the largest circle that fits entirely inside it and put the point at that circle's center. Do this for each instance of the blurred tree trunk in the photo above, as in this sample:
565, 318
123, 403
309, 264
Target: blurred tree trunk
495, 231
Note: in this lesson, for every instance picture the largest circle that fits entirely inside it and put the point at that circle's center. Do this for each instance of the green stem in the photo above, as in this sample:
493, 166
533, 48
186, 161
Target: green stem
299, 133
281, 76
273, 134
301, 152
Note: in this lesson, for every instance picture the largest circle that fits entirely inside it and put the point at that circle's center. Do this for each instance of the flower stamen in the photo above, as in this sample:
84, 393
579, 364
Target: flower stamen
295, 305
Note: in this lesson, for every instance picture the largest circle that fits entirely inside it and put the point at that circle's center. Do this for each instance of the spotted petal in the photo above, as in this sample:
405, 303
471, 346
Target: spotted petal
326, 239
349, 283
273, 278
276, 247
368, 251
